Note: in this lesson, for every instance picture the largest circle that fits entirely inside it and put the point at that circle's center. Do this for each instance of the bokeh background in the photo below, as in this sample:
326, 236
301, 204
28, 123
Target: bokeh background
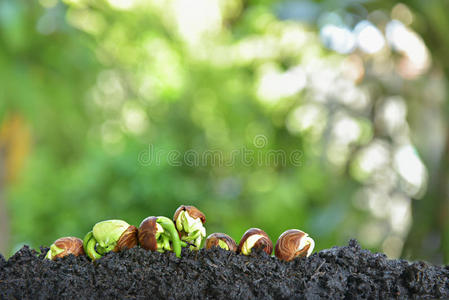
359, 87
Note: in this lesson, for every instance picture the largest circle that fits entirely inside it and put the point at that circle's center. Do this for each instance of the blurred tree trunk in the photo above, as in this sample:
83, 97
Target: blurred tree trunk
429, 234
4, 220
14, 148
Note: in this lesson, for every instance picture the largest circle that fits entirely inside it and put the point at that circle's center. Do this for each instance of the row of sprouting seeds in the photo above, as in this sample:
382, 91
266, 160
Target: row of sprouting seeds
185, 230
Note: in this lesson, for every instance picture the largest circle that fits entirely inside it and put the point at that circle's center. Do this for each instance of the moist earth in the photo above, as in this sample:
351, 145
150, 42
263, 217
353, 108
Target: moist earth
339, 272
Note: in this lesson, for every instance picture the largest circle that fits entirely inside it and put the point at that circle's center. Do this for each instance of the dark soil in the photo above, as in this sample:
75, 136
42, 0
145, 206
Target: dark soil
340, 272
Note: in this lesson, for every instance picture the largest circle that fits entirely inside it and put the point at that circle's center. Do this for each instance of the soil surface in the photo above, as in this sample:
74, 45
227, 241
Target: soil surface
340, 272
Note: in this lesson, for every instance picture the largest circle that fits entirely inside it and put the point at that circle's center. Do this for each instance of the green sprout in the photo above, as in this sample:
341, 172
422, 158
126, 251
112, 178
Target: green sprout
223, 245
111, 235
190, 224
54, 252
159, 234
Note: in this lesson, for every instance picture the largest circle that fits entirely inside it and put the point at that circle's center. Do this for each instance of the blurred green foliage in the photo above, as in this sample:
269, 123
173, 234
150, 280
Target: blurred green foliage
102, 84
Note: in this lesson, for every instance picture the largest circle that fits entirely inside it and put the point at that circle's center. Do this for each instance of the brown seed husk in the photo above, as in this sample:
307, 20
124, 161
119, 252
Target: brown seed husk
128, 239
193, 212
147, 234
71, 245
288, 243
212, 241
263, 243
